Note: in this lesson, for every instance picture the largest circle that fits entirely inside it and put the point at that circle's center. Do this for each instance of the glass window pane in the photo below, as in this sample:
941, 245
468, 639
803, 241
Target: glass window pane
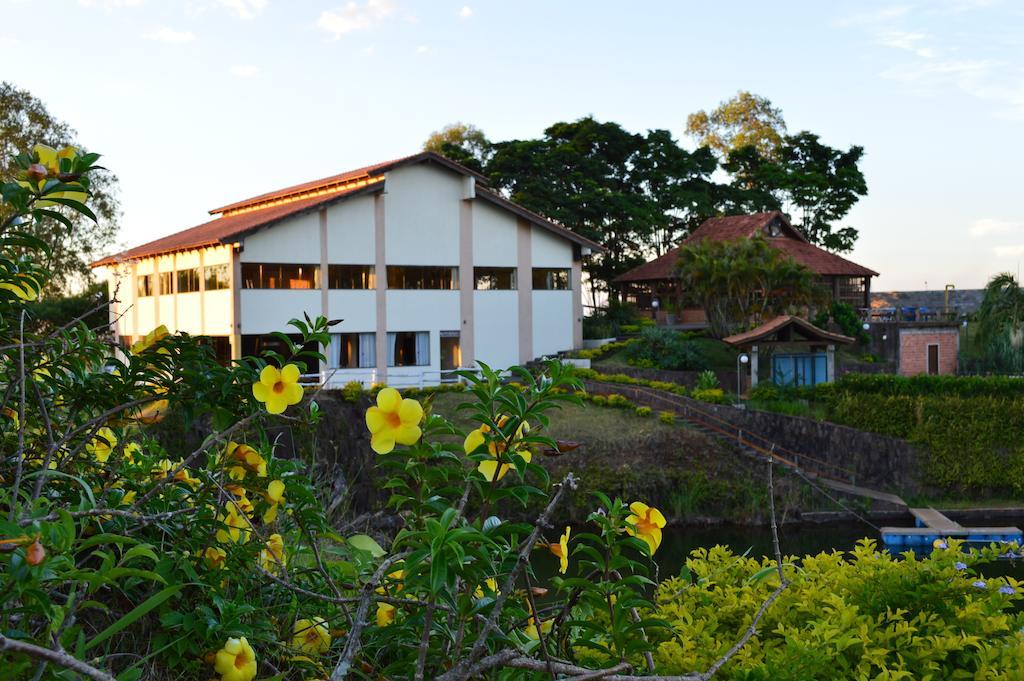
279, 275
188, 280
145, 285
550, 279
351, 277
494, 278
217, 277
423, 277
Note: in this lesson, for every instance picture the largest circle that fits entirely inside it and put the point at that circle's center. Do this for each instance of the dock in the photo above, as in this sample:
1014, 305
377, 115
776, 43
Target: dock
931, 525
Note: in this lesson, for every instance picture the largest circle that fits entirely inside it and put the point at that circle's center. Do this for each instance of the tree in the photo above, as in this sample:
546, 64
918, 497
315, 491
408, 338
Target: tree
817, 183
463, 143
631, 193
743, 121
743, 282
25, 121
1000, 320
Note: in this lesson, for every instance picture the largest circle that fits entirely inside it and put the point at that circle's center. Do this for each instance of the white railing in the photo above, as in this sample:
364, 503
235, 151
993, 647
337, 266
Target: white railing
396, 377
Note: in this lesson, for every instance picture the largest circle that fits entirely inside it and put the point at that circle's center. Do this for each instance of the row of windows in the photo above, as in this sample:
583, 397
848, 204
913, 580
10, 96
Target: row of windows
407, 277
216, 276
404, 349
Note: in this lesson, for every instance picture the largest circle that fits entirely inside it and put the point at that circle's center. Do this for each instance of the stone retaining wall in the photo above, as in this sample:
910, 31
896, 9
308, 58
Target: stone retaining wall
876, 461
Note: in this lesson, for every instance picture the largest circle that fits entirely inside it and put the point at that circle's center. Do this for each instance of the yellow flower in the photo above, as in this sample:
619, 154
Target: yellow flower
278, 388
27, 288
561, 549
214, 557
272, 558
489, 469
128, 498
49, 158
147, 341
236, 661
186, 477
492, 587
130, 451
161, 469
393, 421
275, 496
646, 523
385, 614
102, 444
311, 636
531, 628
236, 528
241, 499
244, 458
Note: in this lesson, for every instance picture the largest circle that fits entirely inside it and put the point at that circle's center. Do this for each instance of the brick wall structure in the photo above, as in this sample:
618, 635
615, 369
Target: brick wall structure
914, 344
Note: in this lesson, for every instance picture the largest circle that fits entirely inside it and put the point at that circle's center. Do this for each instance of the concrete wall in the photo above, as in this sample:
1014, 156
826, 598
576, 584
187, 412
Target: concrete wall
914, 344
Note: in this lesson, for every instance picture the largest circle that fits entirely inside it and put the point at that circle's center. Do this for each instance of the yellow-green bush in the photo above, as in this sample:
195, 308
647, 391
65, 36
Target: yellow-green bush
865, 615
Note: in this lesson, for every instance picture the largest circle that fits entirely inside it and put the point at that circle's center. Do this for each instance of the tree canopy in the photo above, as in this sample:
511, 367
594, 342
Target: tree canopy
25, 121
463, 143
745, 120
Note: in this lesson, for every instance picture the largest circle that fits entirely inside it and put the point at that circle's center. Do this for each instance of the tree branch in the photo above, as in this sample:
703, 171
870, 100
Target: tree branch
54, 656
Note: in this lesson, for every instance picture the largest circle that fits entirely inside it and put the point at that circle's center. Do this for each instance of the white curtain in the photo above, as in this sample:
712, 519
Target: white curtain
392, 338
368, 350
334, 351
422, 348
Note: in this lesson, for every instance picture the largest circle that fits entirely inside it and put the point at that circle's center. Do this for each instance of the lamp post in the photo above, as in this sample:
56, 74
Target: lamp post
741, 359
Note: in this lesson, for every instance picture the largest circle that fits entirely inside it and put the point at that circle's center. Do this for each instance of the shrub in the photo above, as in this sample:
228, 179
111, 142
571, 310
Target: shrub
643, 411
711, 395
352, 391
931, 385
865, 615
765, 392
846, 318
667, 350
667, 417
599, 400
708, 380
620, 401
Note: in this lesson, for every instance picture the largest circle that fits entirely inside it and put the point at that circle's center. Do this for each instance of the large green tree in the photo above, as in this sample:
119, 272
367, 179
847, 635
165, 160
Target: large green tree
24, 122
632, 193
743, 282
1000, 320
463, 143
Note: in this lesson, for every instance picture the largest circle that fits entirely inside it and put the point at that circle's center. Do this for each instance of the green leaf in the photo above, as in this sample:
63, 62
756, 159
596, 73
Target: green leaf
133, 615
363, 542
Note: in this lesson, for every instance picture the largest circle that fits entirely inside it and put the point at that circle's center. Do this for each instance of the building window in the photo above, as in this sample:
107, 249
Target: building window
354, 350
800, 369
851, 290
274, 275
144, 284
221, 346
423, 277
166, 283
451, 352
254, 345
408, 348
188, 280
351, 277
217, 277
494, 278
550, 279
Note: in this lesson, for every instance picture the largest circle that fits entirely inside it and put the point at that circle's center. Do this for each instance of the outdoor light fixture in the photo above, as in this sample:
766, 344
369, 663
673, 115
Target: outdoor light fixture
866, 326
742, 358
655, 303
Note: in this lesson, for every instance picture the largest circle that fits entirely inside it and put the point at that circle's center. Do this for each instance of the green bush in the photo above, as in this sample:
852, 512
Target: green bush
846, 318
643, 411
711, 395
603, 351
667, 417
667, 350
929, 385
620, 401
865, 615
708, 380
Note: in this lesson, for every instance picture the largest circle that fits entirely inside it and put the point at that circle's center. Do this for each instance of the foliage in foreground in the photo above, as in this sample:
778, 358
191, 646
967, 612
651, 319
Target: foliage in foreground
863, 615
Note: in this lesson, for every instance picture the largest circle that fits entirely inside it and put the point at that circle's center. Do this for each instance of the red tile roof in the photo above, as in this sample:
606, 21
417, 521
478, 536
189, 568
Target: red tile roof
266, 209
774, 326
732, 227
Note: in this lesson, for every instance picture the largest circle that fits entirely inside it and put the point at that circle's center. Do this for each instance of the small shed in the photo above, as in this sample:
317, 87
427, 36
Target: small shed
929, 348
800, 353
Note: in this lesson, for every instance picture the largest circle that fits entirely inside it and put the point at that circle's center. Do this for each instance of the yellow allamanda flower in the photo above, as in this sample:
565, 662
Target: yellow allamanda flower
531, 628
645, 523
275, 497
236, 661
476, 439
561, 550
272, 558
241, 499
49, 159
161, 469
185, 476
393, 420
214, 557
241, 458
385, 614
492, 587
25, 288
235, 527
311, 636
130, 451
147, 341
278, 388
102, 444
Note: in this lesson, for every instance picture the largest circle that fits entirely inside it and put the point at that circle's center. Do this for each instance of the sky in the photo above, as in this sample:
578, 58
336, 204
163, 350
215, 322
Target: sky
197, 103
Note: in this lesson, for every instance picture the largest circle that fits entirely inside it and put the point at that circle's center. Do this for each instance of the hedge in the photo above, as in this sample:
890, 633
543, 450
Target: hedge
925, 385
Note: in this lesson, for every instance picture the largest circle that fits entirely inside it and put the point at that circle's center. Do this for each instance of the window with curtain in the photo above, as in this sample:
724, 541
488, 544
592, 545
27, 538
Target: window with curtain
550, 279
354, 350
144, 285
217, 277
188, 280
166, 283
351, 277
408, 348
280, 275
423, 277
494, 278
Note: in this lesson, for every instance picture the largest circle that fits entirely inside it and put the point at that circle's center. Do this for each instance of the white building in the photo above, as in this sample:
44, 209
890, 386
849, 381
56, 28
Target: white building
430, 270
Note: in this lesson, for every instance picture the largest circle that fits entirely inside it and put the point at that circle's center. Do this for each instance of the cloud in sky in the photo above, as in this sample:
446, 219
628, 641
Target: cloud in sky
466, 12
1014, 251
244, 71
987, 226
906, 40
109, 5
878, 16
422, 49
169, 36
244, 9
355, 16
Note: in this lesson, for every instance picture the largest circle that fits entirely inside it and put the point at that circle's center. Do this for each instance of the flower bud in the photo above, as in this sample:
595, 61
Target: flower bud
36, 172
35, 554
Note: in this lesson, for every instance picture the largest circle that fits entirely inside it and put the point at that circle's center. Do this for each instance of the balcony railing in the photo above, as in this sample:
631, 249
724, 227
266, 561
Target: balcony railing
909, 314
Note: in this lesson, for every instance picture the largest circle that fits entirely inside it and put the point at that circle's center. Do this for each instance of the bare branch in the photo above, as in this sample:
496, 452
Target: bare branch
54, 656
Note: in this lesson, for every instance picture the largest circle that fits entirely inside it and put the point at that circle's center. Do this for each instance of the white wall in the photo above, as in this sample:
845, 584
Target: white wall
552, 321
350, 232
494, 236
421, 214
357, 308
496, 335
267, 310
549, 250
295, 240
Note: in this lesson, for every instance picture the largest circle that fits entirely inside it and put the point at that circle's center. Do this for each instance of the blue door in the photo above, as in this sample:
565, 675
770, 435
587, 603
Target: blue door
809, 368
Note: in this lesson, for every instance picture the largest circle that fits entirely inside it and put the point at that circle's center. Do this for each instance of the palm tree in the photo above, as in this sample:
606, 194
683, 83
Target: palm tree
1000, 319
